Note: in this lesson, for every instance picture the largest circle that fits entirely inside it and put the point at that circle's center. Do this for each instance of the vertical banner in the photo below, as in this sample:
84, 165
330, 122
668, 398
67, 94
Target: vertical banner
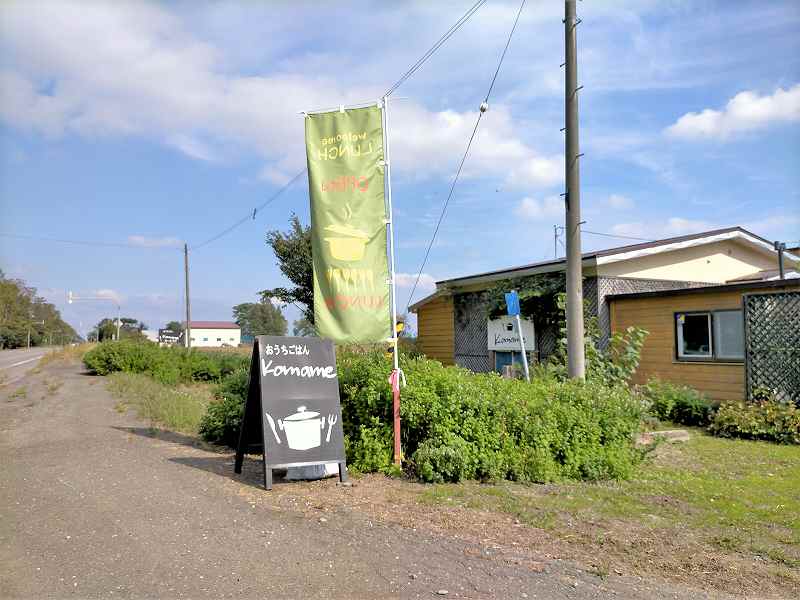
344, 149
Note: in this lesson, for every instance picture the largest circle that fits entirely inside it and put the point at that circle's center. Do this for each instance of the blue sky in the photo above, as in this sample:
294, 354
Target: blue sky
152, 124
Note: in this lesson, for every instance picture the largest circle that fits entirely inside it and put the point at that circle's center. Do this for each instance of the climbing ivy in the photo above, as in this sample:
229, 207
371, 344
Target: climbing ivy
537, 297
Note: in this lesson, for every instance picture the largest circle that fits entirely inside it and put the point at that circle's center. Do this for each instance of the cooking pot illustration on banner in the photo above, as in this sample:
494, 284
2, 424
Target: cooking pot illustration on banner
303, 429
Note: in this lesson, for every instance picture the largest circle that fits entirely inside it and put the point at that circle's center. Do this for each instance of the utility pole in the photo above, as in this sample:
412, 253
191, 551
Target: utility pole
188, 330
575, 352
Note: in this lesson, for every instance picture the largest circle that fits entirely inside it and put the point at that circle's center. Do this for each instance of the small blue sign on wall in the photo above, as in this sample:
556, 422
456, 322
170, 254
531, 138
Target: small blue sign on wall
512, 303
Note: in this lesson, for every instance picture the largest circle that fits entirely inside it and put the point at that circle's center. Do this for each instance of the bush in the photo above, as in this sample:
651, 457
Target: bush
462, 425
220, 424
677, 403
167, 365
763, 420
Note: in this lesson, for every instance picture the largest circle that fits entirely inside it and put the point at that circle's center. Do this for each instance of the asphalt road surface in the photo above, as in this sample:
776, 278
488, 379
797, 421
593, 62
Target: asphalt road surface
93, 506
15, 363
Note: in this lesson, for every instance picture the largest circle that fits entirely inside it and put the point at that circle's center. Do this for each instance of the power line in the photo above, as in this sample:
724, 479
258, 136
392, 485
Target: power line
86, 242
611, 235
446, 36
483, 109
251, 215
413, 69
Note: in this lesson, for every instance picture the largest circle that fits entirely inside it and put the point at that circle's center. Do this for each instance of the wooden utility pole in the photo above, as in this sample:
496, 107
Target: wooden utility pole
188, 330
575, 352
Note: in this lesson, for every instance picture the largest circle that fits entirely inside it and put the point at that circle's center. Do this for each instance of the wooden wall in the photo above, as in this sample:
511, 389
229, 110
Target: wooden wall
719, 381
435, 325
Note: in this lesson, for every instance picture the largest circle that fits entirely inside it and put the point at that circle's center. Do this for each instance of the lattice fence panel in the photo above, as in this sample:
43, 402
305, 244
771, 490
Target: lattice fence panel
471, 332
772, 344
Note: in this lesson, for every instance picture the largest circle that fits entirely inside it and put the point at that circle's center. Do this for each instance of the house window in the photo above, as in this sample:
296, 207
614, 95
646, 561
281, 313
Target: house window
714, 335
232, 339
205, 339
729, 334
694, 335
219, 339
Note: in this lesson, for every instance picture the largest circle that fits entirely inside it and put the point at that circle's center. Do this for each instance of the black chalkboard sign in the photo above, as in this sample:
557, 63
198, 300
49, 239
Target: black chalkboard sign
292, 414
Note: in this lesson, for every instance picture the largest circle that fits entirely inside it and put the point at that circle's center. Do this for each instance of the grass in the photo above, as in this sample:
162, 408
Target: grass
20, 392
66, 353
709, 497
176, 409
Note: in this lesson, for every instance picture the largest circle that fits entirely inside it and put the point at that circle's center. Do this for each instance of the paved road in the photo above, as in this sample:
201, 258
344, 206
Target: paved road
15, 363
95, 508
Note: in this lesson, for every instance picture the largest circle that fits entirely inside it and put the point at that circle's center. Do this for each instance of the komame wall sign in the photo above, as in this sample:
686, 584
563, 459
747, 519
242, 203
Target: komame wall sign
292, 413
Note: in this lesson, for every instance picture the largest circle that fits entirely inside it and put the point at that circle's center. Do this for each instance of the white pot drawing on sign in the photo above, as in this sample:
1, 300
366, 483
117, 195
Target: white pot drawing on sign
303, 429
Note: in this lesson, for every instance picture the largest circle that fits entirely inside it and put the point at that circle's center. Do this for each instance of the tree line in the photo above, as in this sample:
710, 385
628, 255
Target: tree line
26, 318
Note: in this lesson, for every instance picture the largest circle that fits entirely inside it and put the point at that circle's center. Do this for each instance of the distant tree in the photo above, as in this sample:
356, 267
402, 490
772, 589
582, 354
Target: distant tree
23, 313
129, 328
259, 318
293, 251
174, 326
303, 328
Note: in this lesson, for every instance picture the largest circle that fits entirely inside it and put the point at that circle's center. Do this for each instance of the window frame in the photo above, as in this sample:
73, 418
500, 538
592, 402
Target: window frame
712, 358
679, 336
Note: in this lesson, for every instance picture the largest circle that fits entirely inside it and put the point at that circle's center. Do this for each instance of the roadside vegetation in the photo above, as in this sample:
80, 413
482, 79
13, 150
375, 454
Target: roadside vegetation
26, 318
178, 409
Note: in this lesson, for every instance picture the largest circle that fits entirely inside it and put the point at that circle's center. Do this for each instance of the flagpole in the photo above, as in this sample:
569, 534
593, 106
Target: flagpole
395, 378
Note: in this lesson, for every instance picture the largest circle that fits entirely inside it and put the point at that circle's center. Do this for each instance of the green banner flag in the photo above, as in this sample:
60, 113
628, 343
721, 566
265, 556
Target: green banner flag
348, 225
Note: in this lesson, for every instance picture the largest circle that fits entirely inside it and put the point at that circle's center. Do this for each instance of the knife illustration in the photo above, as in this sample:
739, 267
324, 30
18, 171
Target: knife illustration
271, 422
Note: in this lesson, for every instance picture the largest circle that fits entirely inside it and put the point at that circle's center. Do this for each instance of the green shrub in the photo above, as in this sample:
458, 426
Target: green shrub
220, 424
461, 425
166, 365
677, 403
762, 420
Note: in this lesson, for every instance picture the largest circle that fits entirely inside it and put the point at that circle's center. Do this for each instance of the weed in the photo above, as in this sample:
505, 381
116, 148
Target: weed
177, 409
20, 392
52, 386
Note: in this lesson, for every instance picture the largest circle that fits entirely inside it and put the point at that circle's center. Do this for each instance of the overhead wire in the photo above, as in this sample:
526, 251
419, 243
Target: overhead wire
413, 69
464, 157
432, 50
87, 242
251, 215
612, 235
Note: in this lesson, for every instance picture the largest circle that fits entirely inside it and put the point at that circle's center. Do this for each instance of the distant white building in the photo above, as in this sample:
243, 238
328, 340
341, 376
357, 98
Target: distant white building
214, 334
151, 334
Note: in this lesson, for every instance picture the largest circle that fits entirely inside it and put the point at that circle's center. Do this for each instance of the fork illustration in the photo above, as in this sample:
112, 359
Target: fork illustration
331, 422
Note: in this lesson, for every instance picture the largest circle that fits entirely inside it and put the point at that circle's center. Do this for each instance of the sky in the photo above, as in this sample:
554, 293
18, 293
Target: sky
138, 126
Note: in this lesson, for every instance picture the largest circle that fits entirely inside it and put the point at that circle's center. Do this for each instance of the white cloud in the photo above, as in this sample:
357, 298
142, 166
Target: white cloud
620, 202
406, 280
192, 147
106, 294
746, 111
133, 69
154, 242
551, 207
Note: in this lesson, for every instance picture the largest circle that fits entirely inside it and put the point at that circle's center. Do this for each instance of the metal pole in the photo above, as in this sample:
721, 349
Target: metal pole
575, 351
390, 227
188, 330
555, 241
522, 346
780, 247
119, 321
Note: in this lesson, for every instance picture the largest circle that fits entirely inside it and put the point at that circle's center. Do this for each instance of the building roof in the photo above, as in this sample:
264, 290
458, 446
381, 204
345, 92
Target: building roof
710, 289
766, 275
609, 255
213, 325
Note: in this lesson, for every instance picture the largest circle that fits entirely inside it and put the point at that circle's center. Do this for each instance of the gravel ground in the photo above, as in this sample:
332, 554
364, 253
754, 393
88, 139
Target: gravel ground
95, 506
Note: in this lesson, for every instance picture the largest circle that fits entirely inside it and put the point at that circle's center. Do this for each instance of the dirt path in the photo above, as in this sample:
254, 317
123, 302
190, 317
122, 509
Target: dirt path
94, 506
